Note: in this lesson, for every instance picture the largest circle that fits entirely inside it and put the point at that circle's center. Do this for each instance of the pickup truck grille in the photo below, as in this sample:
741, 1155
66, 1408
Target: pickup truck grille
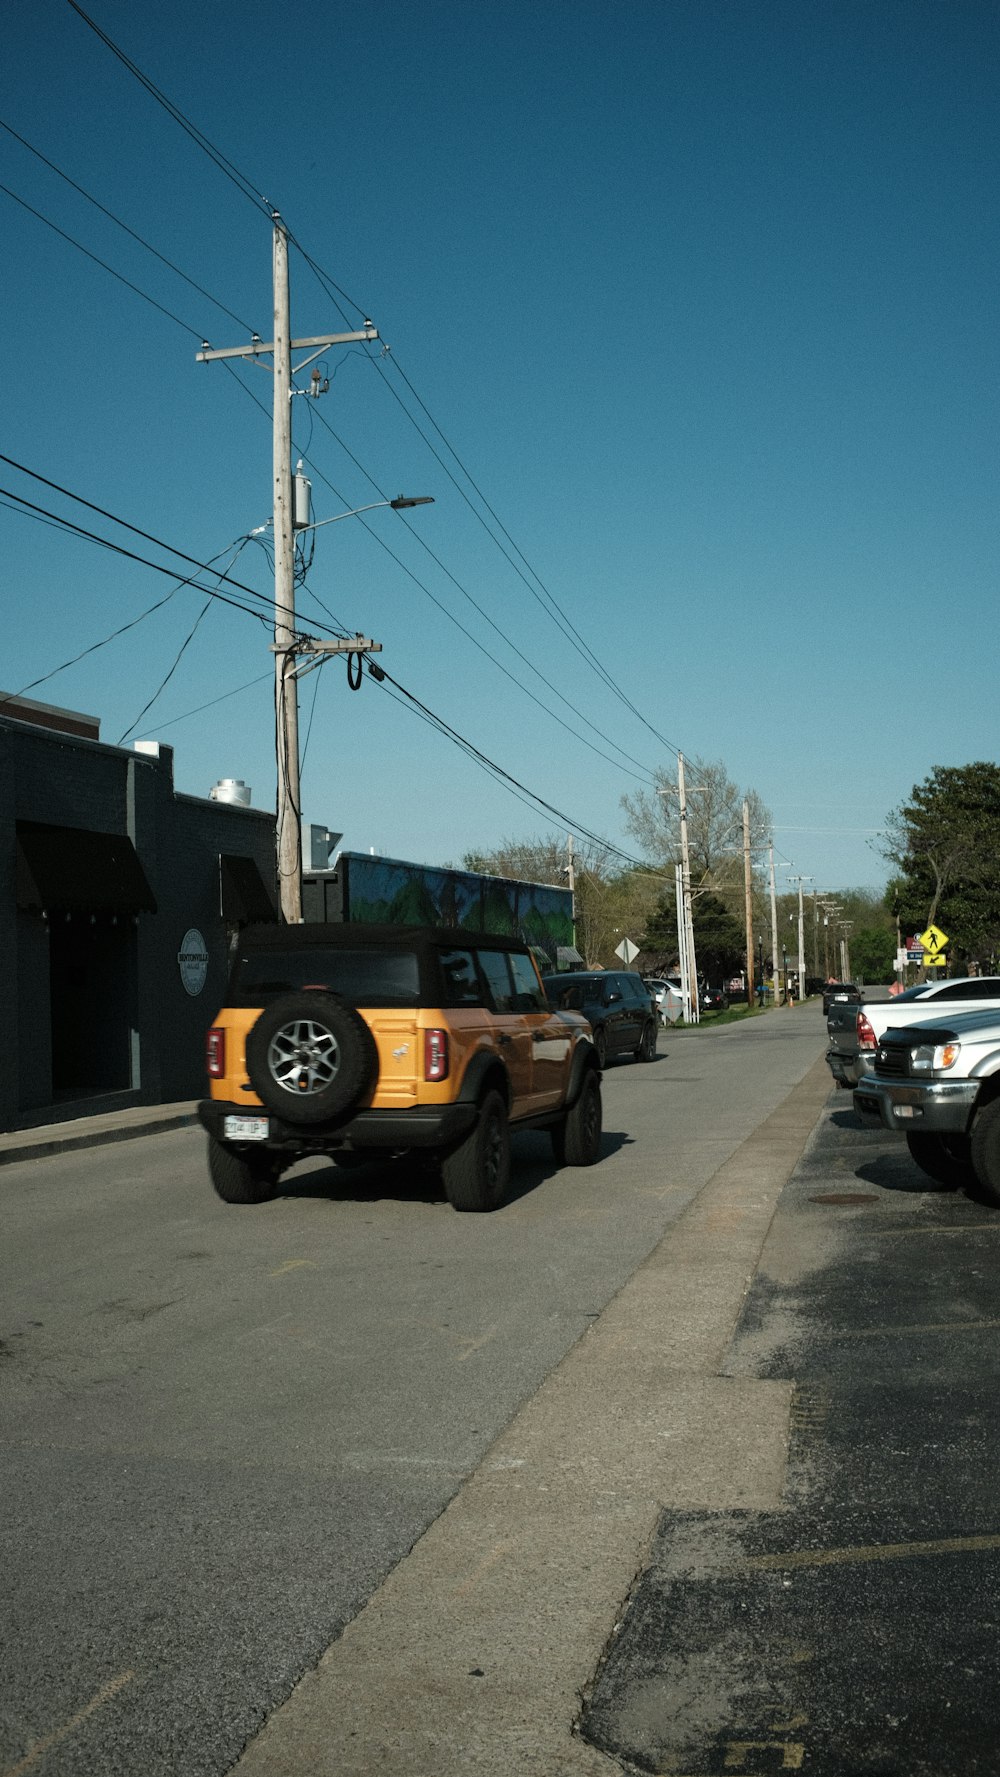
892, 1061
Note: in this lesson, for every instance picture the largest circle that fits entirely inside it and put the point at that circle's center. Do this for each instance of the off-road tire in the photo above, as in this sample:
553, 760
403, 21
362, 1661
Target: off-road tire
985, 1150
310, 1057
647, 1042
475, 1174
240, 1177
576, 1138
945, 1158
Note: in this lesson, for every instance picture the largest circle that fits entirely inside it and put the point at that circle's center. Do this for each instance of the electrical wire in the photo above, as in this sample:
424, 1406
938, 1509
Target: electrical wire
102, 262
249, 190
206, 607
224, 165
644, 775
120, 224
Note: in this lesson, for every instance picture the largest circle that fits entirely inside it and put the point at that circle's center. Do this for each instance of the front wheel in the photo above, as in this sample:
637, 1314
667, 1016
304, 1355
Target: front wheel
576, 1140
944, 1158
475, 1174
985, 1151
601, 1048
647, 1042
240, 1177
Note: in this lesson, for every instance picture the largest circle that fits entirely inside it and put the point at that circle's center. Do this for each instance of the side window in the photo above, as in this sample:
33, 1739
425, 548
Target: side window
528, 992
461, 983
493, 964
976, 988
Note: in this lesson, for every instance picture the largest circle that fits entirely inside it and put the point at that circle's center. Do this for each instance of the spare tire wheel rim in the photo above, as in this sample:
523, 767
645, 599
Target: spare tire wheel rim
303, 1057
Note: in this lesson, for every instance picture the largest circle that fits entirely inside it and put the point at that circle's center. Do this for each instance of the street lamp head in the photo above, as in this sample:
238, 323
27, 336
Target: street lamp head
403, 500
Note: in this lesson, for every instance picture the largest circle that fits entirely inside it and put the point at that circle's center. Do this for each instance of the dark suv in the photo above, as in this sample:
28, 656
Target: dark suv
352, 1041
618, 1006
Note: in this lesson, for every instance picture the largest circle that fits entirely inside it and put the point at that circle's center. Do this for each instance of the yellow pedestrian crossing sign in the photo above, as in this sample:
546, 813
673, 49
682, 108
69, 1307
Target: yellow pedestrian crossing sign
933, 940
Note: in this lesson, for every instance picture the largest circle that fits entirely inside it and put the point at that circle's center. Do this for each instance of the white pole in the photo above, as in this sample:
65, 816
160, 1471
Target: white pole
775, 979
289, 814
692, 1010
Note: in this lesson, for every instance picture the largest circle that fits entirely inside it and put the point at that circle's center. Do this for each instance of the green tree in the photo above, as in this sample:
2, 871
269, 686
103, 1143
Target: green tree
945, 845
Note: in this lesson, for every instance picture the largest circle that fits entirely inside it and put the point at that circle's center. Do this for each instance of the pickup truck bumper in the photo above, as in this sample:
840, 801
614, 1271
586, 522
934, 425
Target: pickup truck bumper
907, 1105
848, 1070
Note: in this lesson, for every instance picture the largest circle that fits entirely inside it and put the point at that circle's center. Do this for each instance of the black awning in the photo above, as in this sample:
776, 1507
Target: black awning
73, 870
246, 899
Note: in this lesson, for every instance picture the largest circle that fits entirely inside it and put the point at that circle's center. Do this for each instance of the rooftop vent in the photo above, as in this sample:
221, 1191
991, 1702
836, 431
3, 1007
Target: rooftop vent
232, 790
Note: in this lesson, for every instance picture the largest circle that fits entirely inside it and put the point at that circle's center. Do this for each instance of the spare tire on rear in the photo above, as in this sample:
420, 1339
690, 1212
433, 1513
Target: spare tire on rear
311, 1057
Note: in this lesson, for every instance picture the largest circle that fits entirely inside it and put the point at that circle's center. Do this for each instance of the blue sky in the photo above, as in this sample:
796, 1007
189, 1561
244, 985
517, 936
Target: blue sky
702, 296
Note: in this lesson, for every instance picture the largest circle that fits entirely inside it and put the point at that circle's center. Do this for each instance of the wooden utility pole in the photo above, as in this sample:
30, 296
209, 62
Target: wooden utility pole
286, 645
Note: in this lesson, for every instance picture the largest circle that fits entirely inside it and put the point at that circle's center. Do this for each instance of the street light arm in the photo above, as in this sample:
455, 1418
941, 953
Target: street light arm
401, 502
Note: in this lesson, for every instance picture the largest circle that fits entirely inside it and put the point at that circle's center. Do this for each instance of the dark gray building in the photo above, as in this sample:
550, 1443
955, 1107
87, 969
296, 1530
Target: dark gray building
119, 900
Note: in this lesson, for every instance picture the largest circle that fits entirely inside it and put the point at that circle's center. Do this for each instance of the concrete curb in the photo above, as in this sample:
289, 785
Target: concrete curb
474, 1654
92, 1132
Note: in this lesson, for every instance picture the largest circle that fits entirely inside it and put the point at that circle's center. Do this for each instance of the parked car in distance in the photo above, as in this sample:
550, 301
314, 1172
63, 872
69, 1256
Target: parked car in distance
840, 992
355, 1042
618, 1006
667, 996
713, 999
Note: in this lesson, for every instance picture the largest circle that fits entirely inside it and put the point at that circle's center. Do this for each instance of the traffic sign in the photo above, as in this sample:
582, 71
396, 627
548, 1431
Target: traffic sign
934, 940
627, 951
935, 962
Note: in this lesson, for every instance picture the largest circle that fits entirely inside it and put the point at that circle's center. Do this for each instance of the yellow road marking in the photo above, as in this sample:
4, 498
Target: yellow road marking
947, 1545
930, 1326
929, 1228
295, 1265
104, 1695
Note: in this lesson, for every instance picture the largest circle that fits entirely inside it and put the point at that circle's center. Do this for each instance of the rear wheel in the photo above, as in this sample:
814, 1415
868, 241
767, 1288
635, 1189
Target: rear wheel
985, 1149
475, 1174
647, 1042
945, 1158
576, 1140
240, 1177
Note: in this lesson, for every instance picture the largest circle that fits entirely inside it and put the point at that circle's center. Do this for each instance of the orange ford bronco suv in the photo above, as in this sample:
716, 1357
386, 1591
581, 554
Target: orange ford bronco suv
352, 1040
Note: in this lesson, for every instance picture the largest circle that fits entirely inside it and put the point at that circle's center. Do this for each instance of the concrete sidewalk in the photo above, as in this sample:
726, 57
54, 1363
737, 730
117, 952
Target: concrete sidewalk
94, 1132
476, 1652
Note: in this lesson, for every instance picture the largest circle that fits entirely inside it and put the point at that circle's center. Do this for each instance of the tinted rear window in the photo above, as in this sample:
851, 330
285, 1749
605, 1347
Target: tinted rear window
365, 977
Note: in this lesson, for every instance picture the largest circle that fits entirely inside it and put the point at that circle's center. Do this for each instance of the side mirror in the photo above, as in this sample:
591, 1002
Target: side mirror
611, 999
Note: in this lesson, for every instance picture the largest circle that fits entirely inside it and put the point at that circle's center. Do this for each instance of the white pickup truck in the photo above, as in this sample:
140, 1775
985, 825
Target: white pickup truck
853, 1030
937, 1082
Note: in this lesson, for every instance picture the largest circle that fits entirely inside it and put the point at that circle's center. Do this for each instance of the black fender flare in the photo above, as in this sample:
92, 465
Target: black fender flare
584, 1062
484, 1073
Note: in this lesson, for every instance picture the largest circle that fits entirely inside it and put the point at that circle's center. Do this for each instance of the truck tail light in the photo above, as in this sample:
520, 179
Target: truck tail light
435, 1054
866, 1036
215, 1053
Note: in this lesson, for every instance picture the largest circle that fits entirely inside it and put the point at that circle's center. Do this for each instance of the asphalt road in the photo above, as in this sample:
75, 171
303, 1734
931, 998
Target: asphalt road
224, 1428
854, 1630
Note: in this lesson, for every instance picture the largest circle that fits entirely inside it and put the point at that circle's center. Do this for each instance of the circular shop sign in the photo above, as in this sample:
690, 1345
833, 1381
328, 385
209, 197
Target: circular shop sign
192, 960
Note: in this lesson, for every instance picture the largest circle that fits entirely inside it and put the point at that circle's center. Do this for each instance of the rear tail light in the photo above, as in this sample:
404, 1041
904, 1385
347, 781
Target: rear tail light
435, 1054
215, 1053
866, 1036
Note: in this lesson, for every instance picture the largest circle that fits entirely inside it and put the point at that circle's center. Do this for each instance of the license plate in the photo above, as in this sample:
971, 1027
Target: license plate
245, 1128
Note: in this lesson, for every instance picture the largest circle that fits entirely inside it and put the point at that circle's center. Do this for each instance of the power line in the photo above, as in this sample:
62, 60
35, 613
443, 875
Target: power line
120, 224
224, 165
194, 331
248, 189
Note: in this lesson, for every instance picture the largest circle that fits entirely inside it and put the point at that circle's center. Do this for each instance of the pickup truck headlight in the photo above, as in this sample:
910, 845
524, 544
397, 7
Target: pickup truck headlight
932, 1058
